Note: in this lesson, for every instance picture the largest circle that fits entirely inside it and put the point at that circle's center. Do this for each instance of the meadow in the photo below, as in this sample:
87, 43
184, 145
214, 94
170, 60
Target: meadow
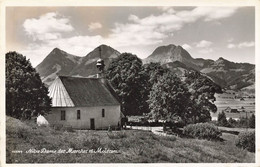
228, 100
24, 138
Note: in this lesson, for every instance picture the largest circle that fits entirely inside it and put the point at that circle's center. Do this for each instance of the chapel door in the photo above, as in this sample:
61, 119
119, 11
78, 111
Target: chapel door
92, 124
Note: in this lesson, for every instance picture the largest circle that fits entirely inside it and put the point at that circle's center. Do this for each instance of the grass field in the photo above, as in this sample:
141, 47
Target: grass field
128, 145
228, 100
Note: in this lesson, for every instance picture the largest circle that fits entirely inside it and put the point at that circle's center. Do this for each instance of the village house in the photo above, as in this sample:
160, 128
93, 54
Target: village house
84, 103
231, 110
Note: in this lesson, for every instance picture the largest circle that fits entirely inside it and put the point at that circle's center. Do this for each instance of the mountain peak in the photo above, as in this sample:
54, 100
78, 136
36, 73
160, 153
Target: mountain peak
56, 49
221, 58
103, 46
169, 53
57, 52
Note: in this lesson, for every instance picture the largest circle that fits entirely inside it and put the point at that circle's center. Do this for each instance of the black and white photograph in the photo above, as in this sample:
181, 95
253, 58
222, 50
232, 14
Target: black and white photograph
129, 84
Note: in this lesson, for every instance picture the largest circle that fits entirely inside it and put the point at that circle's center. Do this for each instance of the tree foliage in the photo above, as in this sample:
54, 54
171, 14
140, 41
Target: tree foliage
124, 75
246, 140
155, 89
168, 98
252, 121
150, 73
26, 95
222, 119
203, 90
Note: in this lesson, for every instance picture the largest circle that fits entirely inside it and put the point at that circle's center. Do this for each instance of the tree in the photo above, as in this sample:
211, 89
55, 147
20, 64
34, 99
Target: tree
26, 95
252, 121
203, 90
150, 73
168, 98
232, 122
124, 75
222, 120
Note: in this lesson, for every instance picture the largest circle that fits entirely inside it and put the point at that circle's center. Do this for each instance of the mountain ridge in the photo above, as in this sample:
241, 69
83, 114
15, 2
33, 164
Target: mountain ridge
59, 62
225, 73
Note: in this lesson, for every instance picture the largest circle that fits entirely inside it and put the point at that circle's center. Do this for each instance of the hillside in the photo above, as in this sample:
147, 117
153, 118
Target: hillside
56, 63
231, 75
129, 146
87, 66
59, 62
225, 73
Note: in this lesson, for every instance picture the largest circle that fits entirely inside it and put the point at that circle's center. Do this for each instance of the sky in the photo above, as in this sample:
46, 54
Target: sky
205, 32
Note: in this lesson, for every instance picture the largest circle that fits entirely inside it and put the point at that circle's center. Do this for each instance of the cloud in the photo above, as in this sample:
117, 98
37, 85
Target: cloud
206, 50
230, 46
167, 22
167, 9
246, 44
203, 44
241, 45
47, 27
136, 32
93, 26
214, 13
186, 46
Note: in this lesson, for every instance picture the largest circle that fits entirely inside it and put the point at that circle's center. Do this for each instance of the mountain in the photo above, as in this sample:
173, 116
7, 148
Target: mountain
59, 62
223, 72
172, 53
56, 63
177, 67
230, 74
88, 63
227, 74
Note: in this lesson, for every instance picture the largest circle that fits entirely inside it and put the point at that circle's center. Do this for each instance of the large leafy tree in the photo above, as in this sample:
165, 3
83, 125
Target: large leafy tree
168, 98
203, 90
26, 95
124, 75
149, 74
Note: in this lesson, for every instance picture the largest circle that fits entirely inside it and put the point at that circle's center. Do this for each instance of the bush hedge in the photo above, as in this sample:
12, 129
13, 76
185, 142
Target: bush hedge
202, 131
246, 140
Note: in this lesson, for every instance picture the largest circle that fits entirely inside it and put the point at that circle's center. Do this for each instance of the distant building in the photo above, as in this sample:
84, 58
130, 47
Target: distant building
242, 99
231, 110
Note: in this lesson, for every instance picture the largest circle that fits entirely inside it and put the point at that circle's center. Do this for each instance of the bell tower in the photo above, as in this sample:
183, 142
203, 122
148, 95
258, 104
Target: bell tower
100, 65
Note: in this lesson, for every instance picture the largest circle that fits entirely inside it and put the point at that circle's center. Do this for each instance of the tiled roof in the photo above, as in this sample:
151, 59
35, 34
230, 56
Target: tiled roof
80, 92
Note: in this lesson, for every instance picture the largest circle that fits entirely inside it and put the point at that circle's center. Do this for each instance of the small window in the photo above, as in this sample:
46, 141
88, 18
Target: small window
78, 114
103, 112
63, 114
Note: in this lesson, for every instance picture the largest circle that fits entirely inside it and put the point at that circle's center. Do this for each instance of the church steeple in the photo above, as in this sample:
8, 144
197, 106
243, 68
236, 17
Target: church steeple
100, 65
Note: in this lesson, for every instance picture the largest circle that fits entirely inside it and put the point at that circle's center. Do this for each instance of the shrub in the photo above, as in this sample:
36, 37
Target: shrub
246, 140
202, 131
252, 121
232, 122
222, 120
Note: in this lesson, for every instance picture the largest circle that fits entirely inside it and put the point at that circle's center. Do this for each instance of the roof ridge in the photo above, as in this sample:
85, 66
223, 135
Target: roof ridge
80, 77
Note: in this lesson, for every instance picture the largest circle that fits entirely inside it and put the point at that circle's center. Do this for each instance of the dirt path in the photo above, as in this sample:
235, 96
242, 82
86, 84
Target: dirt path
156, 130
